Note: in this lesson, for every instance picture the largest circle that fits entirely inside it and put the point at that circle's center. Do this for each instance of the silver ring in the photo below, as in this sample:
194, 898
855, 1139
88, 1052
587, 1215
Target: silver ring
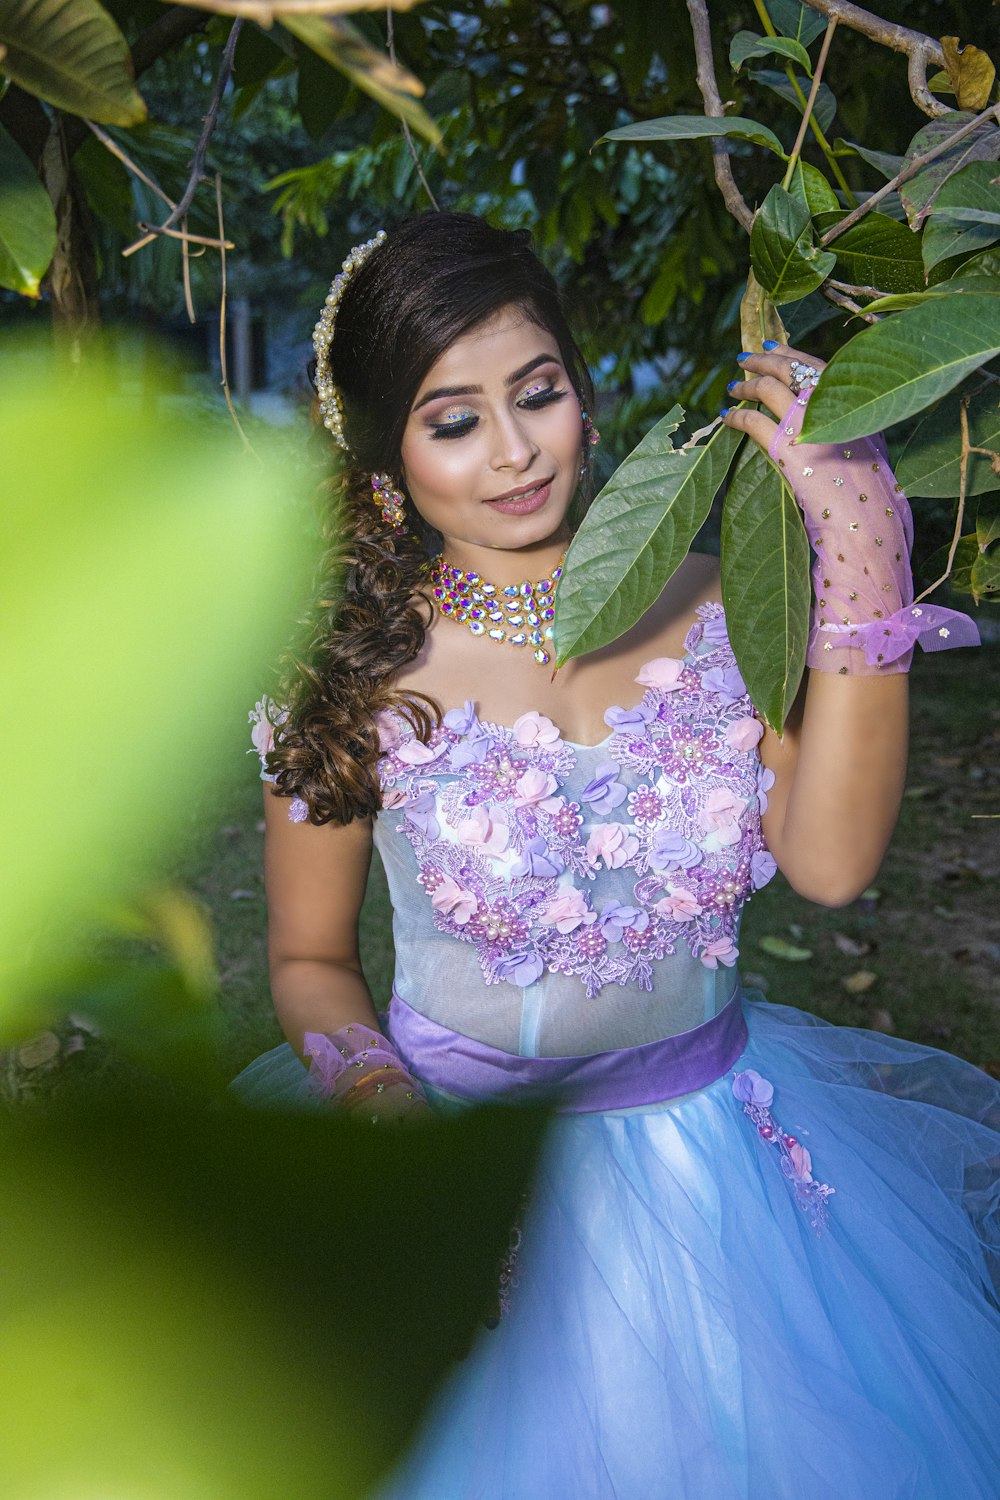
804, 377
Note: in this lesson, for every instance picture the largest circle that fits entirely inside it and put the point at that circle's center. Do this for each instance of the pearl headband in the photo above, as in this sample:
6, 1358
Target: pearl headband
330, 404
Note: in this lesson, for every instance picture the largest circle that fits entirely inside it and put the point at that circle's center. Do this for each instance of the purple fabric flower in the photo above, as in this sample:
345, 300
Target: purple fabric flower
520, 968
472, 750
726, 681
750, 1088
629, 720
298, 811
615, 917
715, 632
420, 811
462, 720
672, 851
762, 868
765, 781
539, 861
604, 793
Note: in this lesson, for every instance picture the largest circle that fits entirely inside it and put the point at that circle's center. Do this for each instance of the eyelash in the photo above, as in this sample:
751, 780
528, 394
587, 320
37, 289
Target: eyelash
531, 401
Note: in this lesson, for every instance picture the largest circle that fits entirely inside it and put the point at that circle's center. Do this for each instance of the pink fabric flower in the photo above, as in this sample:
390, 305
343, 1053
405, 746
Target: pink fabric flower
744, 734
535, 729
566, 911
453, 900
663, 672
393, 798
679, 904
534, 786
720, 816
613, 843
389, 732
486, 829
262, 733
416, 753
801, 1162
719, 951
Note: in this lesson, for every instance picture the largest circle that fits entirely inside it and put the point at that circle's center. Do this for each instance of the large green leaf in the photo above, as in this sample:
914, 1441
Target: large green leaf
27, 221
794, 19
765, 584
810, 187
899, 366
929, 463
960, 577
785, 260
882, 161
71, 53
694, 127
964, 216
825, 106
988, 521
343, 46
981, 144
747, 44
877, 251
637, 531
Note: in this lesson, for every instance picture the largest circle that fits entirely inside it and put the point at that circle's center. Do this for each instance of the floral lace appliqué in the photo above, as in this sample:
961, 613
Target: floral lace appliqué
514, 863
756, 1095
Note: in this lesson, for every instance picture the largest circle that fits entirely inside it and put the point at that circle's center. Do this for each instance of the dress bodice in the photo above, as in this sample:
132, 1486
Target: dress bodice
550, 897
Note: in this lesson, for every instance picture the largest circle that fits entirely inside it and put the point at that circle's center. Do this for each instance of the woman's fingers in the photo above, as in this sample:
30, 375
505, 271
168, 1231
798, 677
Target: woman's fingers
778, 362
754, 423
774, 393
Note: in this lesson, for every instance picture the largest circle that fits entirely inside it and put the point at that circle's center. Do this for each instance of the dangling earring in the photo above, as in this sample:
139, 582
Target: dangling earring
389, 500
591, 437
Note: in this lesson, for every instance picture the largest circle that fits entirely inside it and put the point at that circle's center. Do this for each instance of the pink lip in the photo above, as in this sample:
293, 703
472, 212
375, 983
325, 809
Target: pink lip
524, 500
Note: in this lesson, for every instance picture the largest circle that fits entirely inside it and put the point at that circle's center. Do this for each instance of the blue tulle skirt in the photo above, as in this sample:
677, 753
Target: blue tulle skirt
684, 1326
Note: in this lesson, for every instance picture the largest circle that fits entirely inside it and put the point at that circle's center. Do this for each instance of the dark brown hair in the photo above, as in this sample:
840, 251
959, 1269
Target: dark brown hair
432, 280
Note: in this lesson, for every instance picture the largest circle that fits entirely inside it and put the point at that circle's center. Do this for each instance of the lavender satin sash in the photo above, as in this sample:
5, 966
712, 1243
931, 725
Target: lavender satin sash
604, 1080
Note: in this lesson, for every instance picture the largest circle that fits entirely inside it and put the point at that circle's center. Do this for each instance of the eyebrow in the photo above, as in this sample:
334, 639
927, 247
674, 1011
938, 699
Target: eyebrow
477, 390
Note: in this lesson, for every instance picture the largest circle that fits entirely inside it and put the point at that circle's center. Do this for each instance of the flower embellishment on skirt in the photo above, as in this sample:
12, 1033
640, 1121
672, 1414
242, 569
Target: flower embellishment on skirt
756, 1095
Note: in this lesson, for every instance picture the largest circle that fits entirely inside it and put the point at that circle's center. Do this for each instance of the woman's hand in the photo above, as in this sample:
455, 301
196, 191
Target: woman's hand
776, 377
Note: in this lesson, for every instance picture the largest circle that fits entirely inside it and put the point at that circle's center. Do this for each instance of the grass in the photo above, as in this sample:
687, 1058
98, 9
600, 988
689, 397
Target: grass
920, 958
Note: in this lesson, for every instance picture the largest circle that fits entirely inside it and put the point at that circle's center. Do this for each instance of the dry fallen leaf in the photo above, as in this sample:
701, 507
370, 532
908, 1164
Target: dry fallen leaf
881, 1020
850, 947
39, 1051
860, 981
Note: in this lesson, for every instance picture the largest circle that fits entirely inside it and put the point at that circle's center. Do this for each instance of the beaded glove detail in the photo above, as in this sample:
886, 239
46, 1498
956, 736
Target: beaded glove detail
358, 1070
859, 525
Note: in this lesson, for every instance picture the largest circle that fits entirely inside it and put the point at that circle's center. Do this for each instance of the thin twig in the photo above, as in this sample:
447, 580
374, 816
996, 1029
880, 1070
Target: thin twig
810, 102
726, 182
151, 231
907, 172
963, 469
407, 133
197, 170
222, 322
186, 275
848, 303
851, 290
112, 145
888, 33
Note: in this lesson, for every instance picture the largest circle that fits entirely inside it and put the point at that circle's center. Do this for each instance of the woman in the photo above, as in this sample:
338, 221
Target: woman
757, 1260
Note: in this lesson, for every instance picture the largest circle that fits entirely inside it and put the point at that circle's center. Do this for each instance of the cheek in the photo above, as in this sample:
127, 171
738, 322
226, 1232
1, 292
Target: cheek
439, 467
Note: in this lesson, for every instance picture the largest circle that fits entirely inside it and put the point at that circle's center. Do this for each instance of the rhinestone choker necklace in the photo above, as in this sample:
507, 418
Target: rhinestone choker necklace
519, 614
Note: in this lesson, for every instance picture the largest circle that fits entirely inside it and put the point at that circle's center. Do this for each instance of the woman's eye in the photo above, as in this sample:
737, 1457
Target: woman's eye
454, 425
539, 395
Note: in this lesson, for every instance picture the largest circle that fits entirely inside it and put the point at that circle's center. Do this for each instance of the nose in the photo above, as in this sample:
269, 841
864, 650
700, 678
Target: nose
513, 446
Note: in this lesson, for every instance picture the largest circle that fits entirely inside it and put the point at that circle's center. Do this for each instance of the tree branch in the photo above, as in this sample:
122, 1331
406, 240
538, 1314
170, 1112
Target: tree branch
197, 171
840, 299
908, 171
731, 195
390, 37
920, 49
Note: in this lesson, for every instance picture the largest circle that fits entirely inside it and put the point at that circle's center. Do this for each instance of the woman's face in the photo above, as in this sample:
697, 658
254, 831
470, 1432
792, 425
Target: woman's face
491, 451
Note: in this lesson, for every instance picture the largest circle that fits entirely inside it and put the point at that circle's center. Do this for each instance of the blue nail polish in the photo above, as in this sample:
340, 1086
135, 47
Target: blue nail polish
741, 357
770, 344
724, 411
732, 385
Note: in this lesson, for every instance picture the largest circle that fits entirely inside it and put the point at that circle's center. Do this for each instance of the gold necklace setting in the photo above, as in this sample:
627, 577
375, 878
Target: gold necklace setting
516, 614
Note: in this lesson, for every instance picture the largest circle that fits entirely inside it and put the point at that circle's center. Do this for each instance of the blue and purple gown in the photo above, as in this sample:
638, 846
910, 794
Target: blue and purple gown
762, 1256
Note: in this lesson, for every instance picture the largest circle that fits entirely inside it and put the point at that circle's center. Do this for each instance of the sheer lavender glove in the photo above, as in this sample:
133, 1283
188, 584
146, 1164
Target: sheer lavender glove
859, 525
358, 1070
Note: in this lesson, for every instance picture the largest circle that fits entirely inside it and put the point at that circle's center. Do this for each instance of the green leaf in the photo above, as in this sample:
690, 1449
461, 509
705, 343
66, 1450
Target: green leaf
929, 463
877, 251
985, 575
765, 584
964, 214
960, 577
344, 47
27, 221
897, 367
71, 53
748, 44
780, 947
696, 127
809, 187
882, 161
793, 19
785, 260
637, 531
825, 107
957, 287
988, 520
982, 144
